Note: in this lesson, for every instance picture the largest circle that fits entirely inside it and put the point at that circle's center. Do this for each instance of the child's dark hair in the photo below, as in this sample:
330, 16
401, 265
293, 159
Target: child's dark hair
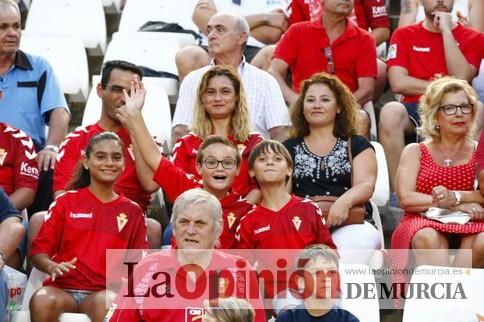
81, 177
213, 139
267, 146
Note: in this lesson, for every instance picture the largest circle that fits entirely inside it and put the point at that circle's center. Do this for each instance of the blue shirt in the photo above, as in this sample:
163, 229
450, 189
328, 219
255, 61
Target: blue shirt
300, 314
6, 208
28, 92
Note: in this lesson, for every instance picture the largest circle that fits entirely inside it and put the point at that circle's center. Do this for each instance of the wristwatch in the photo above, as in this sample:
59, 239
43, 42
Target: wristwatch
458, 197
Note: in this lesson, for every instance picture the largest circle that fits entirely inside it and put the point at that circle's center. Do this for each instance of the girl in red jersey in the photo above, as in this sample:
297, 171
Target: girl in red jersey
79, 227
221, 109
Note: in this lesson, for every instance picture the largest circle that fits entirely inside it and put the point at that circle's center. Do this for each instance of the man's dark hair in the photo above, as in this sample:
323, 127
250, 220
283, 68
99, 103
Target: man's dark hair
118, 64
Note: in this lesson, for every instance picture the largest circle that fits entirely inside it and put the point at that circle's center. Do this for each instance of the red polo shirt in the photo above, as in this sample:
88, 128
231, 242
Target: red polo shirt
303, 45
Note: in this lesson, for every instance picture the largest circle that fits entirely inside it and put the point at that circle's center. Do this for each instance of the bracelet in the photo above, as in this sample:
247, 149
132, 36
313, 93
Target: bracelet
51, 147
458, 197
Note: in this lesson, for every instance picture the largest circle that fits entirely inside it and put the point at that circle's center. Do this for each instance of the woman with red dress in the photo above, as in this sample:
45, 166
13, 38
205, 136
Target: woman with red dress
440, 172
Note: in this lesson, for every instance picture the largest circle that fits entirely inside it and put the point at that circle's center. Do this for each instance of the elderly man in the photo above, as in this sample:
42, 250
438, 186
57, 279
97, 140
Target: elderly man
266, 19
331, 44
11, 232
227, 36
197, 224
30, 95
418, 53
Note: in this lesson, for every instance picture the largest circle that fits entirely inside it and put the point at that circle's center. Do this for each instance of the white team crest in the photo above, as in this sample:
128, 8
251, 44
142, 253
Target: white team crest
122, 221
231, 219
3, 155
297, 222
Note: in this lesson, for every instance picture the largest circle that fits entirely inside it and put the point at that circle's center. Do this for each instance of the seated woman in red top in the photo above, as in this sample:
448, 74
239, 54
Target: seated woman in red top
221, 109
440, 172
79, 227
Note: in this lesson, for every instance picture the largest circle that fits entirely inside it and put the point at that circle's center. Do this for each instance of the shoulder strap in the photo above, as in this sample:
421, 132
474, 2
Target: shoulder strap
350, 157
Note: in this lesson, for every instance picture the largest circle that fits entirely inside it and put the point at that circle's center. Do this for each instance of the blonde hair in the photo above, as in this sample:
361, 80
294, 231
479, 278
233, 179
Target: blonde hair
239, 121
230, 309
431, 101
345, 124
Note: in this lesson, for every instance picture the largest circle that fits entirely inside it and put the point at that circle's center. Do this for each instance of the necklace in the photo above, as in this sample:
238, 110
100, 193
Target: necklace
448, 159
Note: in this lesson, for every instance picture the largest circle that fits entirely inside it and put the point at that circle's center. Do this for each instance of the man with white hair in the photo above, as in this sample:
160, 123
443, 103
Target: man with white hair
227, 37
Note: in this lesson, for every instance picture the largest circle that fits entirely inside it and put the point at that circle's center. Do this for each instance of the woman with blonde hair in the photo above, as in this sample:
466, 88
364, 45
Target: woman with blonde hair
440, 172
220, 109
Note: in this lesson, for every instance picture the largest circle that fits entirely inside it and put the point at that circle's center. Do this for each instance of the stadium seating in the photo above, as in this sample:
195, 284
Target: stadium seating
137, 12
446, 309
381, 194
68, 59
72, 18
158, 55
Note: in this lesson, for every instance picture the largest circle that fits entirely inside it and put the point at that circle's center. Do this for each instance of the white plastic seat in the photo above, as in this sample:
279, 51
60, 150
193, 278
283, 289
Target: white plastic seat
157, 54
381, 194
138, 12
156, 110
447, 309
67, 57
112, 6
365, 309
73, 18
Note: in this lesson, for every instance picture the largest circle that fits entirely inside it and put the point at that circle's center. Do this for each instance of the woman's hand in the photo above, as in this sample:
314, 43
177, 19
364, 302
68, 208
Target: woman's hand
61, 268
338, 213
443, 197
474, 209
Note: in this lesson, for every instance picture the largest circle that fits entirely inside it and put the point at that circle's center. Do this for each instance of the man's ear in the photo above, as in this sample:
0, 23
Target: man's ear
99, 90
199, 168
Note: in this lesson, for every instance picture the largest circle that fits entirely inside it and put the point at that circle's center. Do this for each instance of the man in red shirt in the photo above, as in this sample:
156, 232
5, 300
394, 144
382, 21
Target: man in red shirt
333, 44
18, 167
136, 180
190, 270
417, 54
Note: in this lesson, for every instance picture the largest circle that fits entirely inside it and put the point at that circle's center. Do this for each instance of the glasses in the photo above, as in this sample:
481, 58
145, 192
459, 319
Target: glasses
212, 163
328, 53
116, 89
451, 109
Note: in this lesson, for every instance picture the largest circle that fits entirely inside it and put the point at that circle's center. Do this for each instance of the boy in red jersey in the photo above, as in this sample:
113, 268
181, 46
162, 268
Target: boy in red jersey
80, 226
281, 220
218, 162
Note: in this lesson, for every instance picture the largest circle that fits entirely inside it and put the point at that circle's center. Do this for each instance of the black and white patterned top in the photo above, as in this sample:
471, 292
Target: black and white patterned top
323, 175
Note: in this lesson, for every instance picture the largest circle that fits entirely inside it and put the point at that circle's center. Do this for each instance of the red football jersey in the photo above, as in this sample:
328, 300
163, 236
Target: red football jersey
73, 148
185, 156
179, 308
174, 181
366, 13
421, 52
18, 167
298, 224
79, 225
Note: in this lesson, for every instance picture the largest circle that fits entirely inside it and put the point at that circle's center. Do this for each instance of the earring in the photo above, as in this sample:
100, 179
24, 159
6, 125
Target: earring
87, 168
437, 126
